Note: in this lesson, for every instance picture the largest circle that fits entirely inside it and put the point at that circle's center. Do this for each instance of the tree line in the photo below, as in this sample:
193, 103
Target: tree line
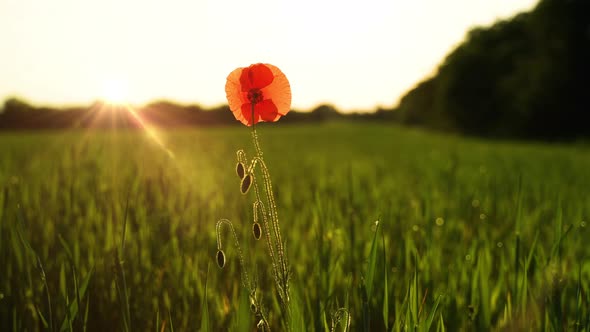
17, 114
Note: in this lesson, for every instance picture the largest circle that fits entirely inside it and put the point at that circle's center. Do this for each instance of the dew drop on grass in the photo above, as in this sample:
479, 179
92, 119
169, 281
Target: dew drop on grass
415, 228
329, 235
246, 183
468, 257
483, 216
220, 258
500, 244
583, 224
240, 170
256, 230
375, 225
475, 203
440, 221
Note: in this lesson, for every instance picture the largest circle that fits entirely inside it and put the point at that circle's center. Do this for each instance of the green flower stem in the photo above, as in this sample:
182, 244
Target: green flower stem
283, 275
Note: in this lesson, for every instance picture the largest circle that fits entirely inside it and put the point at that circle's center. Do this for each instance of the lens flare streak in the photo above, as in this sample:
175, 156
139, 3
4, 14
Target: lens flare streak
151, 132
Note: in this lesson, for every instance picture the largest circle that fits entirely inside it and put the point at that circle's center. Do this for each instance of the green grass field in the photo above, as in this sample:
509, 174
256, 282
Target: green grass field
104, 231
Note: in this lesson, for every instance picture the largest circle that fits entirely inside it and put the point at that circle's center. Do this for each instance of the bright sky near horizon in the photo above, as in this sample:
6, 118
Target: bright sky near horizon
356, 55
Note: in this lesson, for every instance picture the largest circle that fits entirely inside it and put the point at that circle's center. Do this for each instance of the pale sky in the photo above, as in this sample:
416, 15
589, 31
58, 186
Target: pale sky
352, 54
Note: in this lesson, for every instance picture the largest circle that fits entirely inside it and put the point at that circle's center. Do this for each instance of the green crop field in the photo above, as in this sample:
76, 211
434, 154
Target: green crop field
113, 231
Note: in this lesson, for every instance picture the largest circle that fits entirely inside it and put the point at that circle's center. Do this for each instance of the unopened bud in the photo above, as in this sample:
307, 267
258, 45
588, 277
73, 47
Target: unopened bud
240, 170
246, 183
256, 230
220, 257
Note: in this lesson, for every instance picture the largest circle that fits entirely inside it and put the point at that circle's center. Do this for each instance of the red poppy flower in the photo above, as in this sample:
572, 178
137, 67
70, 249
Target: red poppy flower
260, 85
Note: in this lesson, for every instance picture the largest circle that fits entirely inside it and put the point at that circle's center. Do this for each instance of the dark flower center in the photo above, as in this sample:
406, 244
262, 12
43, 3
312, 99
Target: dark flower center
255, 96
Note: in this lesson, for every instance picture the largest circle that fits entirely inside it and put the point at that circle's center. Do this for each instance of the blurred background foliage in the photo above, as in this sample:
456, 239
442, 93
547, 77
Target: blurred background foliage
526, 77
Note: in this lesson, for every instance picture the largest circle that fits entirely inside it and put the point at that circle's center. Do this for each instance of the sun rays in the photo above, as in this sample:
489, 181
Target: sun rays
149, 130
114, 116
114, 111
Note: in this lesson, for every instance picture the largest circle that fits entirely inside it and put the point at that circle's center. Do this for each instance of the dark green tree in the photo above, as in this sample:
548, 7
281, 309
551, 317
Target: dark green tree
523, 77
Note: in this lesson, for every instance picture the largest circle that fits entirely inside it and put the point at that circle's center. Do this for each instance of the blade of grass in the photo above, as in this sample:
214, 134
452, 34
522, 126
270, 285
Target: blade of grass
524, 288
368, 280
517, 231
372, 262
441, 324
243, 318
205, 312
170, 319
385, 285
72, 309
430, 318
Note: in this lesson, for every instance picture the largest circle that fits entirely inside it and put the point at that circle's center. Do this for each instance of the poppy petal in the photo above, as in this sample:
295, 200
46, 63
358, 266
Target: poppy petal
266, 110
238, 115
256, 76
279, 91
246, 114
234, 94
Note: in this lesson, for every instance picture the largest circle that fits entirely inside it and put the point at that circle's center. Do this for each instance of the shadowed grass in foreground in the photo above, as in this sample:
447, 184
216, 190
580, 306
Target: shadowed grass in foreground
104, 230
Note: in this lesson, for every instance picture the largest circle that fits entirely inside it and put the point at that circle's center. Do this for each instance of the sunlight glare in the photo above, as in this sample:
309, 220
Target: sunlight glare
149, 130
115, 90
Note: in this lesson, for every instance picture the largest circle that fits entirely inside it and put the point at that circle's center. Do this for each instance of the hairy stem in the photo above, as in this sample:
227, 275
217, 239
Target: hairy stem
281, 260
245, 278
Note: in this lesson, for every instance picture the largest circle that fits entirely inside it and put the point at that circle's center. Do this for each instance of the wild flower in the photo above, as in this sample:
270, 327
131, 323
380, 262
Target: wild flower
259, 93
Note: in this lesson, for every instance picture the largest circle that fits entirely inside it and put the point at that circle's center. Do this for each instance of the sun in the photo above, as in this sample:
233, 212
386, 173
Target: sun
115, 90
